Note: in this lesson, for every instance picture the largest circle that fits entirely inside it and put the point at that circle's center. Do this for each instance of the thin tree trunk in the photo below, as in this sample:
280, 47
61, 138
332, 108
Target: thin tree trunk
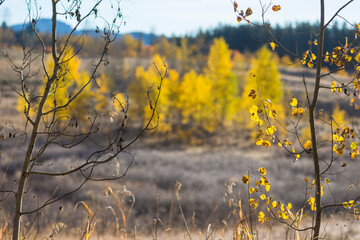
317, 171
34, 133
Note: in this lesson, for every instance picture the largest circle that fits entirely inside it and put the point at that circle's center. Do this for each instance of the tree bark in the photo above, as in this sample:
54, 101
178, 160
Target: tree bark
34, 134
317, 171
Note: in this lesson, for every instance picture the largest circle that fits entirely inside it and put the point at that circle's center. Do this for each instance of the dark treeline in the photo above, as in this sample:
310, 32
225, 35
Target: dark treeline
244, 38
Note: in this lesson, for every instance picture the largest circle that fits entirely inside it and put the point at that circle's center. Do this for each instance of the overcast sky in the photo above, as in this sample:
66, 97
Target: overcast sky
188, 16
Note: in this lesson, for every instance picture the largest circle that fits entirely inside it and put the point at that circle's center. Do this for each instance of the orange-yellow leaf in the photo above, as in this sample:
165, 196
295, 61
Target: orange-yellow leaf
276, 8
248, 12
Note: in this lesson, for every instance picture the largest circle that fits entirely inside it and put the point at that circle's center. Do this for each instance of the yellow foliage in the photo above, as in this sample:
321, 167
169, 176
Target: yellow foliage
144, 90
224, 85
196, 101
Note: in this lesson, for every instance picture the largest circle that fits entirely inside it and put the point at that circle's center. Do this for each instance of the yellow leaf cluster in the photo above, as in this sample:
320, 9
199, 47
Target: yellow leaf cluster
262, 218
253, 203
308, 58
311, 202
308, 145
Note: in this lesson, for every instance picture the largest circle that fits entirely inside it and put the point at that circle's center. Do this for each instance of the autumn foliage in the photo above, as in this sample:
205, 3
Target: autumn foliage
209, 101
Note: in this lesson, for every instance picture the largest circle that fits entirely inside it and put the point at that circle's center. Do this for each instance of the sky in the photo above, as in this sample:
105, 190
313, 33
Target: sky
179, 17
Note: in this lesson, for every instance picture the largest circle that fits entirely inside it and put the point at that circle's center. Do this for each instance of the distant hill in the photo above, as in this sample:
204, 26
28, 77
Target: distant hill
45, 25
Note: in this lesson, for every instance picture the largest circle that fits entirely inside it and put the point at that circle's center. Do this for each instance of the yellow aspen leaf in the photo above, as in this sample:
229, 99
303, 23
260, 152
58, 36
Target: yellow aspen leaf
346, 205
263, 196
253, 109
276, 8
354, 154
259, 141
313, 57
274, 128
306, 179
272, 45
301, 111
238, 19
282, 208
285, 215
260, 133
289, 206
308, 144
297, 156
354, 145
254, 117
262, 171
273, 113
348, 58
327, 180
270, 130
245, 179
267, 187
333, 84
313, 207
293, 102
251, 190
261, 217
254, 204
294, 112
310, 64
357, 57
259, 122
235, 6
266, 219
303, 61
339, 151
316, 42
266, 143
263, 181
274, 204
248, 12
334, 147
